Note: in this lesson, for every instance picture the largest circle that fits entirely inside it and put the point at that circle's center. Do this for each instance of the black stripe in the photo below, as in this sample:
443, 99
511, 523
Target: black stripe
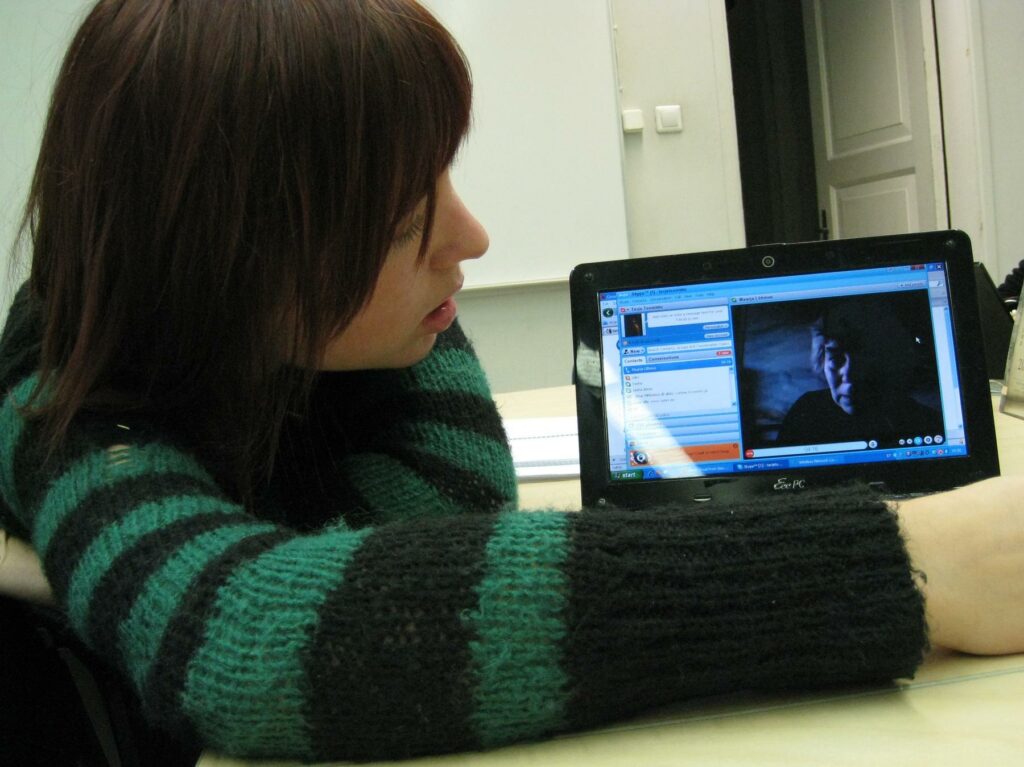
681, 603
320, 495
310, 486
469, 489
104, 507
122, 583
454, 338
88, 433
461, 410
350, 505
185, 632
25, 466
666, 605
387, 665
398, 397
366, 410
21, 339
606, 615
32, 468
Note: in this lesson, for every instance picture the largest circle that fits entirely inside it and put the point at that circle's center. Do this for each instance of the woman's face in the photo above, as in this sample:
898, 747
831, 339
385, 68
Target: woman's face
413, 299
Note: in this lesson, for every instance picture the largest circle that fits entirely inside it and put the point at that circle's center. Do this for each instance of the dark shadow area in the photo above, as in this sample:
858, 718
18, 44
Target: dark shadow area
773, 120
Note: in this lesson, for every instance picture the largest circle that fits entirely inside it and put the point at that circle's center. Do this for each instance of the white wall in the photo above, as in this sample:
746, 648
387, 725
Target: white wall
522, 334
33, 37
1002, 32
683, 190
542, 165
981, 58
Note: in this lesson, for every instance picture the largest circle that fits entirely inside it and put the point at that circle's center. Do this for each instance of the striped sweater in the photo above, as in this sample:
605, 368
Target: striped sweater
385, 598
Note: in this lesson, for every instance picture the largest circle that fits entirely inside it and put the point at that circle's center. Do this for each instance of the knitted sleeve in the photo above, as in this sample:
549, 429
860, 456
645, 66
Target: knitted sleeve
427, 440
443, 633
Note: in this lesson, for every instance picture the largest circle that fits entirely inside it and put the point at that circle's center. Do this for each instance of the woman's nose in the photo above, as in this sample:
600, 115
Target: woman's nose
457, 232
473, 240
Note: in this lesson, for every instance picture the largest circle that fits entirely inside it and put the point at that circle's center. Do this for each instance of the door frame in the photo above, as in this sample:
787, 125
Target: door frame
966, 125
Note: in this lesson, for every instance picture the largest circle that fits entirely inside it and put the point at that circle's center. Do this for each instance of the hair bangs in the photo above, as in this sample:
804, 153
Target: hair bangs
430, 108
391, 137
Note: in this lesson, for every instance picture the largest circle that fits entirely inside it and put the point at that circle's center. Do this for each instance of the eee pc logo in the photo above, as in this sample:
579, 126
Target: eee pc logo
782, 483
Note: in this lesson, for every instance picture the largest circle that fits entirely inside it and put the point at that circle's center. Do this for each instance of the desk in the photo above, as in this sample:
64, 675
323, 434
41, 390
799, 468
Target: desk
959, 710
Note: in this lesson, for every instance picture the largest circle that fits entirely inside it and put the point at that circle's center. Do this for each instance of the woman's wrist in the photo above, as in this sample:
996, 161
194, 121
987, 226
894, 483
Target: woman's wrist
919, 540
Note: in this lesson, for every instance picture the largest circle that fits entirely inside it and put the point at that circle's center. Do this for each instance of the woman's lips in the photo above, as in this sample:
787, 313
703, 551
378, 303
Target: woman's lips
441, 318
443, 315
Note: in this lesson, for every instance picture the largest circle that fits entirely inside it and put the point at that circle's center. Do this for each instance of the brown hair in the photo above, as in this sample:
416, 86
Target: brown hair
210, 169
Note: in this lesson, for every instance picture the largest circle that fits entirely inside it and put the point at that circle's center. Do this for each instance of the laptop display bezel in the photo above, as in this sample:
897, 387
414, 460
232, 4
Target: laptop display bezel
952, 248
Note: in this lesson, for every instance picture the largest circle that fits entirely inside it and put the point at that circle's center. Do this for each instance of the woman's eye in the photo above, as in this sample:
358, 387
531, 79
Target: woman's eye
411, 232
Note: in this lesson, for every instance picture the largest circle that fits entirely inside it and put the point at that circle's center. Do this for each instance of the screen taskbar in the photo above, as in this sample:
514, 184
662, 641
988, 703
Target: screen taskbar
685, 470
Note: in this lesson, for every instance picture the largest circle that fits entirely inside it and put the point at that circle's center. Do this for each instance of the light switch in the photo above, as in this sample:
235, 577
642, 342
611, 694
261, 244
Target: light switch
669, 118
632, 120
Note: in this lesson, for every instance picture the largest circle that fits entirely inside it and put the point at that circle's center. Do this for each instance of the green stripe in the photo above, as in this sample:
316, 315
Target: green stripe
470, 451
519, 621
443, 368
142, 632
393, 490
118, 538
101, 469
250, 708
11, 427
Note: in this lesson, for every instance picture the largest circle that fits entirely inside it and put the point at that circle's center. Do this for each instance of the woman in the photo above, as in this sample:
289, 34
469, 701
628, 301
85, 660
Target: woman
260, 465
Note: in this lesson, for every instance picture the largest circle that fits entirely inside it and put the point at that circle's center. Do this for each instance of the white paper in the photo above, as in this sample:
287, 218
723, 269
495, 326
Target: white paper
1012, 402
544, 448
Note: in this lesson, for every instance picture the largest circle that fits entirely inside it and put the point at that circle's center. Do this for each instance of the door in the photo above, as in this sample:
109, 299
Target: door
875, 116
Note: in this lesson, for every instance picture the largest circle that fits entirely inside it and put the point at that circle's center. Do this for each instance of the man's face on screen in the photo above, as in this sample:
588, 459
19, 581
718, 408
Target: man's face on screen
858, 372
839, 369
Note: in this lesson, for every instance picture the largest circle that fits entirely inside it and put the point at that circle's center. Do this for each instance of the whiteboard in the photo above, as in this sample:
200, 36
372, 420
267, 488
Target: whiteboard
542, 166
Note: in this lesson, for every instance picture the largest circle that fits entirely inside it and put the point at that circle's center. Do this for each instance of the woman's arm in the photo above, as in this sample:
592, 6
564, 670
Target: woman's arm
446, 633
971, 590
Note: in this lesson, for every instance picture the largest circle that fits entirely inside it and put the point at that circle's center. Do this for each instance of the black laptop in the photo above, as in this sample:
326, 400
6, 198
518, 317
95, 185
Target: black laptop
721, 375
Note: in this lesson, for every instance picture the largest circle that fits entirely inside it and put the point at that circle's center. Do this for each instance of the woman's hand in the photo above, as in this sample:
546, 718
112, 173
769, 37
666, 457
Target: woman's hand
968, 545
21, 574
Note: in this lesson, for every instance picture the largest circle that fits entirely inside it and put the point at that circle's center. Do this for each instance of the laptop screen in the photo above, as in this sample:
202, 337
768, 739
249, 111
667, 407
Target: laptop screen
766, 374
781, 365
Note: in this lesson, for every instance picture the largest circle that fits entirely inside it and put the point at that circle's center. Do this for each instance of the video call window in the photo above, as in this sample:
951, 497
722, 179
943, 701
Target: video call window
838, 370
